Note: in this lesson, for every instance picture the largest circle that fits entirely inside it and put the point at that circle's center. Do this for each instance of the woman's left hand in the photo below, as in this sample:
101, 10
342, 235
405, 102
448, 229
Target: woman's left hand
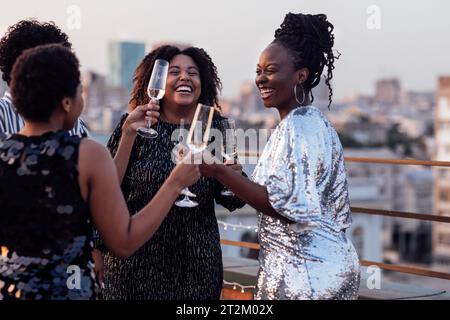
211, 165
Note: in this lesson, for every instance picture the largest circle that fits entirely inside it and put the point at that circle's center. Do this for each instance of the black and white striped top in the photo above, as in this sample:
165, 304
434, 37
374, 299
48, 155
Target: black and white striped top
12, 122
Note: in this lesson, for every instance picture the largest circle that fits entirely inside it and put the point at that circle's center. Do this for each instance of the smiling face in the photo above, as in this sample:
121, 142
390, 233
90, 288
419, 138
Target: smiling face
276, 77
183, 86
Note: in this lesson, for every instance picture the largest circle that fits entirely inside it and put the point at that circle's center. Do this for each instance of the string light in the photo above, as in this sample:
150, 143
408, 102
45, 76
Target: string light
236, 285
227, 225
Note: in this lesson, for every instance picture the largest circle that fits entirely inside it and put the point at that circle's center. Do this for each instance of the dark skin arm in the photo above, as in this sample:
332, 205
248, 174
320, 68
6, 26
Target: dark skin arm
99, 185
251, 193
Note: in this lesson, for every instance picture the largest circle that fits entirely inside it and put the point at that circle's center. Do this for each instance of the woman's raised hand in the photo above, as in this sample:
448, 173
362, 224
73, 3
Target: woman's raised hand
185, 173
140, 117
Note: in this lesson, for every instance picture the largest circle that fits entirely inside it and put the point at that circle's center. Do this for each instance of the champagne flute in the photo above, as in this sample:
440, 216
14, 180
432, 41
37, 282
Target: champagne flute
229, 151
181, 146
155, 90
197, 141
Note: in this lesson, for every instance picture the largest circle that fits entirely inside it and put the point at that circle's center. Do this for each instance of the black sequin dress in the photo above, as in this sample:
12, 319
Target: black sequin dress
45, 233
183, 259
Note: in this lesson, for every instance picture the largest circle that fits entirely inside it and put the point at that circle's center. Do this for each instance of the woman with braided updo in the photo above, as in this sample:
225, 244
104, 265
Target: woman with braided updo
299, 184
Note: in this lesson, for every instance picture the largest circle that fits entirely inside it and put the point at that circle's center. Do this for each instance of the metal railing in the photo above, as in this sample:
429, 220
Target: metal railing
389, 213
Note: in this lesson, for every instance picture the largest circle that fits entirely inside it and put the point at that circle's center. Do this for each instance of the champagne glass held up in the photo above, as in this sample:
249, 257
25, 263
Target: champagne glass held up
181, 146
155, 90
197, 141
229, 151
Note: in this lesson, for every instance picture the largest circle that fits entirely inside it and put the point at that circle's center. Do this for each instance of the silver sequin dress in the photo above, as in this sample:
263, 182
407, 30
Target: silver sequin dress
302, 167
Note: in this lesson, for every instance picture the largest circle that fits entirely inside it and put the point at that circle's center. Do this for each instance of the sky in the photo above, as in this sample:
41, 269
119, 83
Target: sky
408, 39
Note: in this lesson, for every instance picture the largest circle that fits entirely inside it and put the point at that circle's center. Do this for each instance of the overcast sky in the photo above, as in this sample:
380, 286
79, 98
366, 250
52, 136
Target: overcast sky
413, 41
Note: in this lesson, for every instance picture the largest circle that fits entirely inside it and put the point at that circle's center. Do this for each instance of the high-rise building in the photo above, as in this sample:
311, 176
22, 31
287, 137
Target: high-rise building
124, 57
94, 87
388, 91
441, 231
103, 103
179, 45
413, 238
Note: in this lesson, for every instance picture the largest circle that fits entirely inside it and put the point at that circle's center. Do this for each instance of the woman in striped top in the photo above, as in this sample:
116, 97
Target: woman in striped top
24, 35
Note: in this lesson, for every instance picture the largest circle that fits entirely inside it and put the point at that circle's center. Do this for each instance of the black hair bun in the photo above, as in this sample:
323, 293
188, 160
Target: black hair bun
313, 28
310, 40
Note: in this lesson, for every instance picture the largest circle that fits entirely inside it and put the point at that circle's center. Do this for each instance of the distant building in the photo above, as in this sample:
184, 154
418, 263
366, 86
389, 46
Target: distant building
180, 45
422, 101
413, 238
441, 231
390, 187
388, 91
321, 93
365, 132
110, 118
124, 57
103, 103
370, 186
94, 91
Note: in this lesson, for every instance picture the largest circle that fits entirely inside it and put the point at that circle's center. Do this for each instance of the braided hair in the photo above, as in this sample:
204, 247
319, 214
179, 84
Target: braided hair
309, 40
210, 81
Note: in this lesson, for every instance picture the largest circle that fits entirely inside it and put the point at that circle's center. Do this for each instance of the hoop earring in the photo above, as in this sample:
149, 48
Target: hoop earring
295, 94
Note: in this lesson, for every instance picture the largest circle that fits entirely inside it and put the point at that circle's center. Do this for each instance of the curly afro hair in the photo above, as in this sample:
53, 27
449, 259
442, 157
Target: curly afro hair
41, 78
24, 35
211, 84
309, 39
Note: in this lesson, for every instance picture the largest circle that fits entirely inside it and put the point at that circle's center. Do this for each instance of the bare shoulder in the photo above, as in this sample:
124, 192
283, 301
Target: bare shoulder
92, 148
93, 154
94, 161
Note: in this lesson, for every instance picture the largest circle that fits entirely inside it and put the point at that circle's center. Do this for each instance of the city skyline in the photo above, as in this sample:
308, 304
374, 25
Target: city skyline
392, 101
407, 45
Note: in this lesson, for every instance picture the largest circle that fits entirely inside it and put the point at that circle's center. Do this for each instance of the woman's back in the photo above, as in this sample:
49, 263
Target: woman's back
45, 233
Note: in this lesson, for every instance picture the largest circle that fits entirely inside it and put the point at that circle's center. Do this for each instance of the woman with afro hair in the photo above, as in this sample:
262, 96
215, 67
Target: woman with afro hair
55, 187
183, 261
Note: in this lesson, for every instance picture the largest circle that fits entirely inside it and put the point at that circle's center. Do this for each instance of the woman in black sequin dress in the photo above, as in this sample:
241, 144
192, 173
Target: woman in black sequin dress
53, 184
183, 259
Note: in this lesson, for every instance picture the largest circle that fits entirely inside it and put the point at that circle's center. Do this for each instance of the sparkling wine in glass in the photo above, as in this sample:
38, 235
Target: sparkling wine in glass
229, 150
180, 149
197, 141
155, 90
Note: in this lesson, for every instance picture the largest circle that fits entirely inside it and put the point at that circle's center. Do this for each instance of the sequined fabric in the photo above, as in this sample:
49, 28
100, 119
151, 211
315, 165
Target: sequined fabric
302, 167
45, 234
183, 259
